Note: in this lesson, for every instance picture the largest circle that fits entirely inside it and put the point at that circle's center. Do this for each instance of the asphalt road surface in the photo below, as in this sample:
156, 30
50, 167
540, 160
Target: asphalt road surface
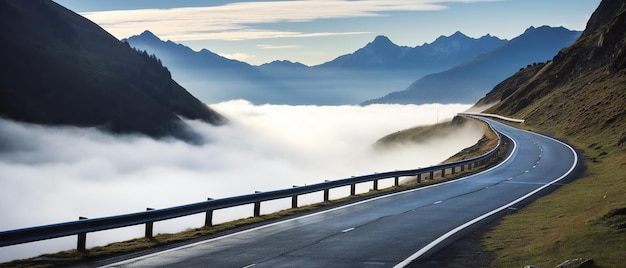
388, 231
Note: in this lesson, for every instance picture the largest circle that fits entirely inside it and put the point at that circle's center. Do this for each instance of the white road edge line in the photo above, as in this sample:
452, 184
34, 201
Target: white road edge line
306, 216
467, 224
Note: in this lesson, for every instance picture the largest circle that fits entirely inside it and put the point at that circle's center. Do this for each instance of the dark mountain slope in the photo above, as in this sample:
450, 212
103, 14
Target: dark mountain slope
61, 69
583, 90
470, 81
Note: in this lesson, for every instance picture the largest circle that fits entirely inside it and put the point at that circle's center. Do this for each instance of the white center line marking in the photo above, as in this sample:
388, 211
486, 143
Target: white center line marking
438, 202
348, 230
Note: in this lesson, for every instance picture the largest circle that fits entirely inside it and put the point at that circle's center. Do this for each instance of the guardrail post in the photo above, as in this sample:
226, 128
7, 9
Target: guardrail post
396, 181
208, 217
81, 245
257, 206
149, 226
453, 170
294, 200
462, 168
419, 178
375, 185
443, 172
326, 193
432, 175
352, 189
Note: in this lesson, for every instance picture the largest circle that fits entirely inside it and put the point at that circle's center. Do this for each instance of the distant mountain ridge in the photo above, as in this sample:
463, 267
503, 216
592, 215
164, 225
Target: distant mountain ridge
62, 69
375, 69
207, 75
468, 82
444, 52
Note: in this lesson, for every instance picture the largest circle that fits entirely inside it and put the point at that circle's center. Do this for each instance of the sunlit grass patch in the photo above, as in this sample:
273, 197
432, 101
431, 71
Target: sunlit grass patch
583, 219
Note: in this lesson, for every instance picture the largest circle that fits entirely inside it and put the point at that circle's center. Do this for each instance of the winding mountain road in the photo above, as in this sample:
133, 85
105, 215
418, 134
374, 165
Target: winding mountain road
388, 231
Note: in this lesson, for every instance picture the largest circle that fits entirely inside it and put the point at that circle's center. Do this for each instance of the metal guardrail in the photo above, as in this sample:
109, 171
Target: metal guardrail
494, 116
84, 226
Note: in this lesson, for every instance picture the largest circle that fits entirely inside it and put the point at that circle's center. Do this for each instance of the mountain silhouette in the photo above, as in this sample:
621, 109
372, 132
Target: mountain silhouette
378, 53
443, 53
209, 76
376, 69
62, 69
469, 81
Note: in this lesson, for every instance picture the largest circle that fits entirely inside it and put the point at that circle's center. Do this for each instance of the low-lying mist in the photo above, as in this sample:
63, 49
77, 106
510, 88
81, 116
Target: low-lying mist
56, 174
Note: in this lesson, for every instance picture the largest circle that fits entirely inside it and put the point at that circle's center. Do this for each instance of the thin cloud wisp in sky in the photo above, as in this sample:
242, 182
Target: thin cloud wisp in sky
245, 20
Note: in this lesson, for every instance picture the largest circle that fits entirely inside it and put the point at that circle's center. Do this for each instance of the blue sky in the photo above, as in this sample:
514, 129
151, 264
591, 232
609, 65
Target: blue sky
316, 31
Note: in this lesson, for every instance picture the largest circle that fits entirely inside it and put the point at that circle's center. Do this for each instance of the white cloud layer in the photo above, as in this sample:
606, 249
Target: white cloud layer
55, 174
246, 20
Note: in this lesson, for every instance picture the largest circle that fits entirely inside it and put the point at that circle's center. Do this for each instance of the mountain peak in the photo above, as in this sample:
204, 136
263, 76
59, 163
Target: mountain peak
382, 41
607, 10
382, 44
546, 31
457, 36
147, 36
147, 33
542, 28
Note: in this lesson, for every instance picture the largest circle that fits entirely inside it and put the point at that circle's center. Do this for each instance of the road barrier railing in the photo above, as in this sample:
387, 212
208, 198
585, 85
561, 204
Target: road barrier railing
83, 226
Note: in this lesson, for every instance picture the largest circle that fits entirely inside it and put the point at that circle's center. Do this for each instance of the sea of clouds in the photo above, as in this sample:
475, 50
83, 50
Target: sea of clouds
56, 174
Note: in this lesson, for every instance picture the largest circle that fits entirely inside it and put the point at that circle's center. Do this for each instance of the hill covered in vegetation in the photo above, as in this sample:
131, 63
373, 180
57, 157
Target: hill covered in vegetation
61, 69
579, 95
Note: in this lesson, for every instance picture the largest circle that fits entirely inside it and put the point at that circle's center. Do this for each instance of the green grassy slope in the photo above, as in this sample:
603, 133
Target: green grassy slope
580, 95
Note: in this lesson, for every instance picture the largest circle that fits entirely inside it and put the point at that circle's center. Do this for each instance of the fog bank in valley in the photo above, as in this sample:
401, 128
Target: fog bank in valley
56, 174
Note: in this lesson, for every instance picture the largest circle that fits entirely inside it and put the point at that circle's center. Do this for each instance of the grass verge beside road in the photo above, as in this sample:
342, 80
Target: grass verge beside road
583, 219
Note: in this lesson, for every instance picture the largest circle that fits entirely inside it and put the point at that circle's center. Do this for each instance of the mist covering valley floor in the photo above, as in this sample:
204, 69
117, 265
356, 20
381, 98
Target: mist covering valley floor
56, 174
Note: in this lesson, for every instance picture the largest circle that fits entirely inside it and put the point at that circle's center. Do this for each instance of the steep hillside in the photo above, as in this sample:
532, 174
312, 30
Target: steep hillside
582, 91
580, 95
467, 82
62, 69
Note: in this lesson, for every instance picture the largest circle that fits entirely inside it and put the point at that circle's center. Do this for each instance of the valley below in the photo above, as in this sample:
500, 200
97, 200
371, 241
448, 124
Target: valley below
264, 147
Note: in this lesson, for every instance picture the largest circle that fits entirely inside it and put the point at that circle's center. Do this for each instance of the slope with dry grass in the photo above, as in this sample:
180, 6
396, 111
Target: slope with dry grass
580, 95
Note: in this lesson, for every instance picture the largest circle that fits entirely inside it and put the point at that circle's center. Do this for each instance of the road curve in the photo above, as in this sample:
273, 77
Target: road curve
388, 231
